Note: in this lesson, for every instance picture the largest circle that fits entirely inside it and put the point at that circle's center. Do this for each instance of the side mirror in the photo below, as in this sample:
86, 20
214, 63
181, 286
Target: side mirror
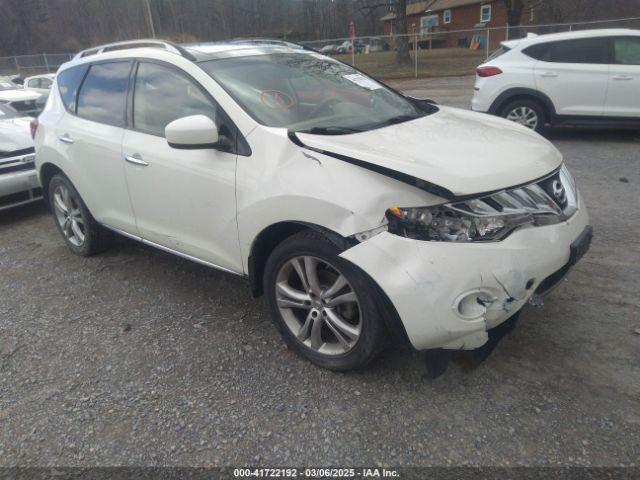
195, 131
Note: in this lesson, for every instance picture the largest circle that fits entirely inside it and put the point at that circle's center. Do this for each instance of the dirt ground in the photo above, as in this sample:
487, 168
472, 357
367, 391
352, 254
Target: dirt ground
136, 357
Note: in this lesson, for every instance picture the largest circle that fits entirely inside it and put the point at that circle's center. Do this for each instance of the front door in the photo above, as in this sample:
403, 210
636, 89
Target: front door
183, 200
623, 95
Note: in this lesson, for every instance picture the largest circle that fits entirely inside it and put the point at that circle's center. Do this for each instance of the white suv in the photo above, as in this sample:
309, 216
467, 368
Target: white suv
576, 78
362, 214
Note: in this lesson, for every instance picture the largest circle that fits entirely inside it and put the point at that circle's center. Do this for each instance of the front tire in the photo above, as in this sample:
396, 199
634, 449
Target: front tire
527, 113
323, 306
82, 234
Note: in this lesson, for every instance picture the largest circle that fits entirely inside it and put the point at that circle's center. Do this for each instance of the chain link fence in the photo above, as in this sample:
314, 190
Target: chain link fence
26, 65
439, 52
433, 51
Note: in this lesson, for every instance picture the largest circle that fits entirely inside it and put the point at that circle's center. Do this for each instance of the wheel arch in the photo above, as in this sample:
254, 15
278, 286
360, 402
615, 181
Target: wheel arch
45, 174
524, 93
270, 237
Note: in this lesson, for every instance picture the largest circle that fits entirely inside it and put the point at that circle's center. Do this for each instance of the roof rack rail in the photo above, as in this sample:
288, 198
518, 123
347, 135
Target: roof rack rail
152, 43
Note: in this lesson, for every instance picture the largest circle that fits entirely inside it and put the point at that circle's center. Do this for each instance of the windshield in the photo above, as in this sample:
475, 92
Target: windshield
309, 92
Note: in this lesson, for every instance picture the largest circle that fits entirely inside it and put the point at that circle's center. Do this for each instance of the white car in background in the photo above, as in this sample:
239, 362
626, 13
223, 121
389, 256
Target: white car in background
577, 78
18, 98
363, 215
18, 179
40, 83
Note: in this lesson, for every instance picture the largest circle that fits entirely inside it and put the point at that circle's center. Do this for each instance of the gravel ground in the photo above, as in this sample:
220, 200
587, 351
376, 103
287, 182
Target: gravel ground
136, 357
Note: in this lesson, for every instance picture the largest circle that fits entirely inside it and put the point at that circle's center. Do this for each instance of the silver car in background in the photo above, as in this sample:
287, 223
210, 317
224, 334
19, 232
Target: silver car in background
18, 180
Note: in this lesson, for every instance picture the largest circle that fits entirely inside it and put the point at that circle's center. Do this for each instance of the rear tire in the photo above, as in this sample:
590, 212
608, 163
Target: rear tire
526, 112
82, 234
335, 328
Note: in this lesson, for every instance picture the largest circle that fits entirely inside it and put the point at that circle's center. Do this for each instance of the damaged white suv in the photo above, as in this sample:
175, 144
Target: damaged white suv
361, 214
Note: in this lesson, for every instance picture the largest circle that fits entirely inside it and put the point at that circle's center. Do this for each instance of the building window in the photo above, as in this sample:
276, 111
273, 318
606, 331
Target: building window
426, 23
446, 16
485, 13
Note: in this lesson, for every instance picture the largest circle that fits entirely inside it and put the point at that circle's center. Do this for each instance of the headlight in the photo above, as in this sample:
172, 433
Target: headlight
490, 217
446, 224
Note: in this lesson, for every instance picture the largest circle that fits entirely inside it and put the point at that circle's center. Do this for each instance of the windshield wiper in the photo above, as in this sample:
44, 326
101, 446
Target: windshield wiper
330, 130
400, 119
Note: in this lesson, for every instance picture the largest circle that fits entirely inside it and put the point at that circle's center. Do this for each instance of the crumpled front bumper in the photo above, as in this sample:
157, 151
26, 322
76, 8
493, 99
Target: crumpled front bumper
449, 294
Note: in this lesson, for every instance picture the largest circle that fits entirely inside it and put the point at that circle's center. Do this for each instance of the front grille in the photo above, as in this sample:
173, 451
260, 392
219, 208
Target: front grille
24, 105
17, 153
547, 201
16, 167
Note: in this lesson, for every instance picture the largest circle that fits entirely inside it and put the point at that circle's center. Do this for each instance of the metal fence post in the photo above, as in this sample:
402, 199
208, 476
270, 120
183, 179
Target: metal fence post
15, 60
46, 63
415, 52
488, 41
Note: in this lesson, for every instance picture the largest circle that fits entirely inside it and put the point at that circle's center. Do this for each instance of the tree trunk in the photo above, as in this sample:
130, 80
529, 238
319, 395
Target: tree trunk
514, 16
400, 28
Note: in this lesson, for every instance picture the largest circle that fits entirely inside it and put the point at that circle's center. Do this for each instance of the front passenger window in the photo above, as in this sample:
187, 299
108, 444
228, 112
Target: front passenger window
163, 95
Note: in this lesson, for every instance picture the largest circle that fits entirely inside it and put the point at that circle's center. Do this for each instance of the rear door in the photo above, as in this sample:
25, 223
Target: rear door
184, 200
623, 95
574, 75
90, 138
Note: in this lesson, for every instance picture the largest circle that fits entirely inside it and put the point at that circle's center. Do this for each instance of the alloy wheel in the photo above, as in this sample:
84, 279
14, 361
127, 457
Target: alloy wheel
524, 116
67, 211
318, 305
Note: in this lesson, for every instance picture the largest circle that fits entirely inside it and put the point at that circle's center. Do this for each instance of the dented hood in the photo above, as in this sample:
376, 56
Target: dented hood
461, 151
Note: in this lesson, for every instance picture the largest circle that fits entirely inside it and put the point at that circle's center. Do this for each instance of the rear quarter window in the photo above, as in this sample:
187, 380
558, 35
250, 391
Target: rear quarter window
68, 83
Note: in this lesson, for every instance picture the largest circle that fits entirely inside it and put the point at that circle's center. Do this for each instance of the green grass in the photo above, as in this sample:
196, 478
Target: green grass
439, 62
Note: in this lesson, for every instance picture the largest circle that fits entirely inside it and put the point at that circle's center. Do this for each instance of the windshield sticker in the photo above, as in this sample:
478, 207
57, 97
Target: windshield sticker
363, 81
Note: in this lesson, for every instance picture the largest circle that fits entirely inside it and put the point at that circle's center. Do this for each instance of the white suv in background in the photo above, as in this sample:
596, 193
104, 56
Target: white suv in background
577, 78
361, 214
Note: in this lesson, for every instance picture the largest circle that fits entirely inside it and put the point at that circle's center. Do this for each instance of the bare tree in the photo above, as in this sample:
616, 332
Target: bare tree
400, 24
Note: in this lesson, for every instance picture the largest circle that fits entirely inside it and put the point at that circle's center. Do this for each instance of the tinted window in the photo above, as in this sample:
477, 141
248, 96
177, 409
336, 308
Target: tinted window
589, 50
68, 84
498, 53
627, 50
103, 93
162, 95
539, 52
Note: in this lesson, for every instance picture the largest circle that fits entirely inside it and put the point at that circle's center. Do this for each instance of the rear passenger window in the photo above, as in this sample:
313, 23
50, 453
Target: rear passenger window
627, 50
68, 84
103, 93
163, 95
588, 50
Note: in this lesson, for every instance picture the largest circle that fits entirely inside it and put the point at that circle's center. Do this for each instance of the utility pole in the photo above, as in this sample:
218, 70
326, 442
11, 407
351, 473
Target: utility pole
149, 18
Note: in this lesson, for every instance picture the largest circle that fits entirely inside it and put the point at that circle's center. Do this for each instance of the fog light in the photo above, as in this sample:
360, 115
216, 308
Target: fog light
473, 305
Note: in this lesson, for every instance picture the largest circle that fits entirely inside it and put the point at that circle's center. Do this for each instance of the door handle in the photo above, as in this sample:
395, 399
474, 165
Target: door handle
136, 159
622, 77
549, 75
66, 139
